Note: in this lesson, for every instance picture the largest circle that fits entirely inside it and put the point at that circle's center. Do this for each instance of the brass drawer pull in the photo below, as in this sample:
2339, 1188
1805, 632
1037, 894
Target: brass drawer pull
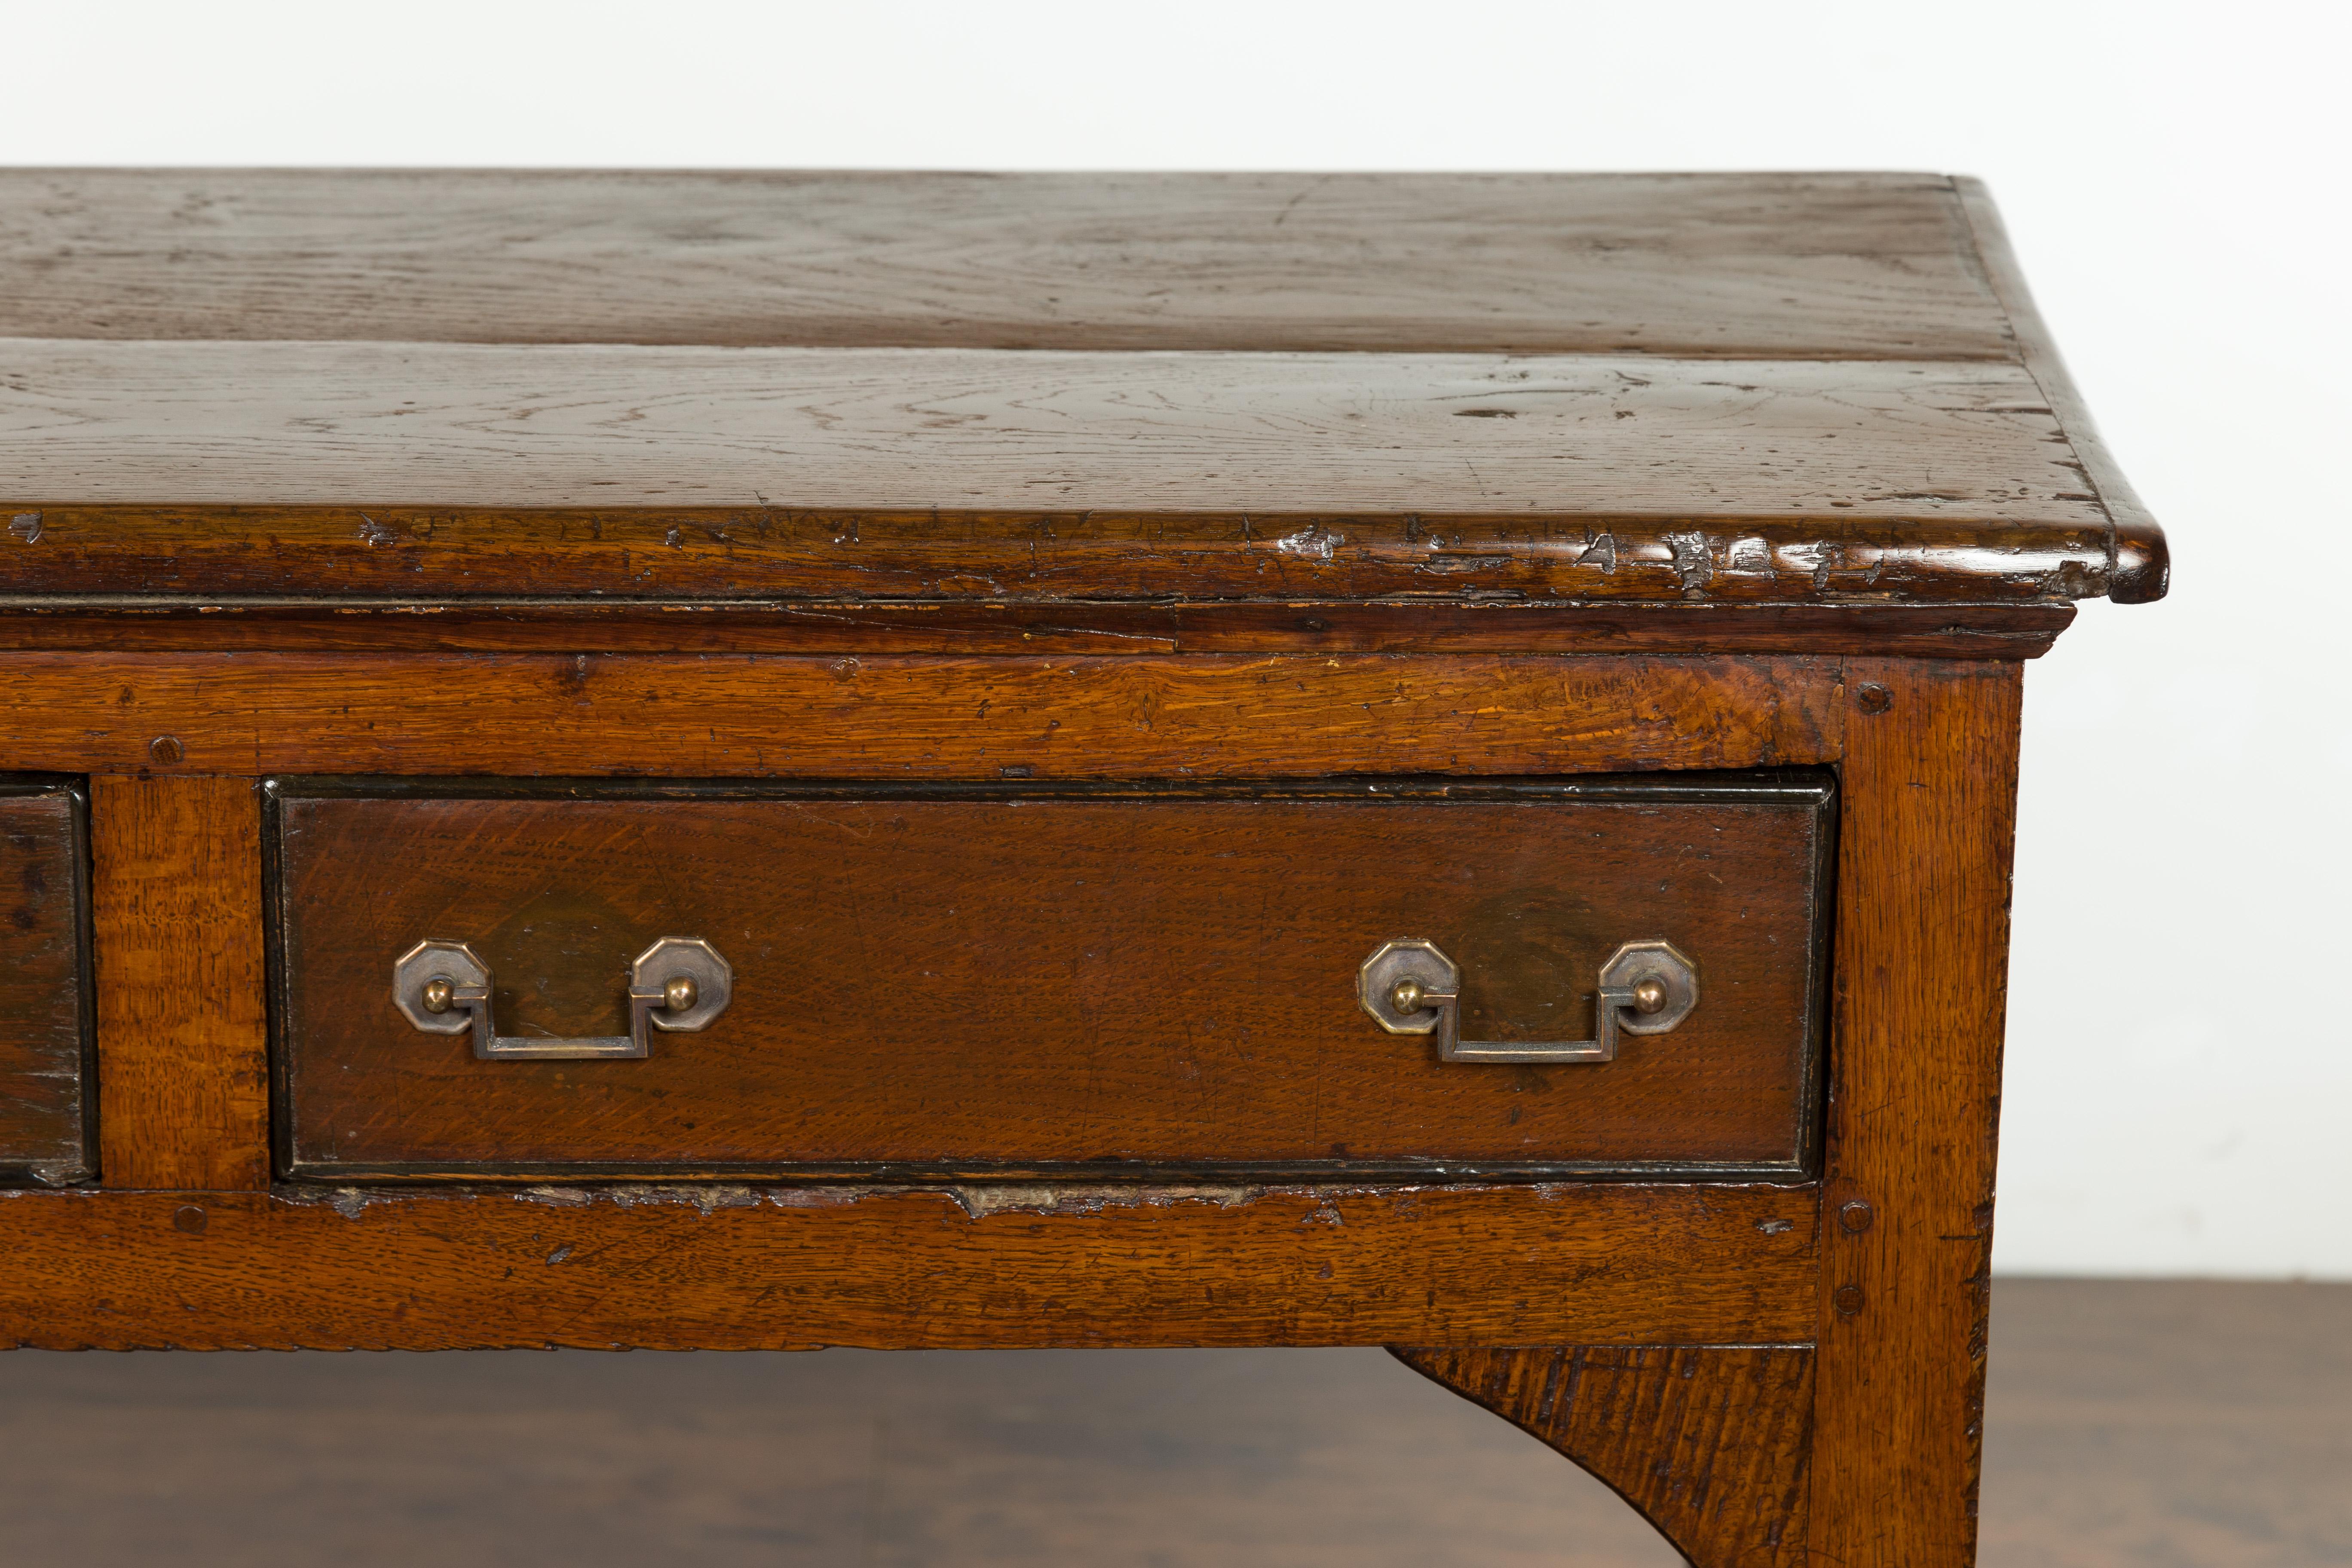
1411, 988
679, 983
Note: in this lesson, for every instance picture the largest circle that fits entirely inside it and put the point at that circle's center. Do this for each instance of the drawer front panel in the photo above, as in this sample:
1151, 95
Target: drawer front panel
45, 1083
932, 984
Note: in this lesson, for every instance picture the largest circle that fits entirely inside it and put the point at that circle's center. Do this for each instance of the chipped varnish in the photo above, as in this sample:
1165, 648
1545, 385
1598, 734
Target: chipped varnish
747, 1269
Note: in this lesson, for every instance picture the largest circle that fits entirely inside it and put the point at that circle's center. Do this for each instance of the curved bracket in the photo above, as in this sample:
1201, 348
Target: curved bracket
1709, 1443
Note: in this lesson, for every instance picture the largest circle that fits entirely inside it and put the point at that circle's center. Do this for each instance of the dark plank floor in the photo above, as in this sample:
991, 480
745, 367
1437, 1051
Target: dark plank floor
2168, 1424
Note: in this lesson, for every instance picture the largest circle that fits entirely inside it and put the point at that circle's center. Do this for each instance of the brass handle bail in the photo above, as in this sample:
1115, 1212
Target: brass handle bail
1411, 988
679, 983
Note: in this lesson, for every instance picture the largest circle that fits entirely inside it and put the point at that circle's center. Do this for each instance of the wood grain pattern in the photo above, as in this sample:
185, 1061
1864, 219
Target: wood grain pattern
183, 1055
45, 1083
1155, 984
913, 717
1708, 1442
909, 432
157, 624
743, 1268
1844, 265
1928, 807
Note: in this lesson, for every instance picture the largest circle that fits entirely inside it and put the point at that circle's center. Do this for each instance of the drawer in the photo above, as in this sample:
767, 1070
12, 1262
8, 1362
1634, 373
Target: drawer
46, 1084
1152, 982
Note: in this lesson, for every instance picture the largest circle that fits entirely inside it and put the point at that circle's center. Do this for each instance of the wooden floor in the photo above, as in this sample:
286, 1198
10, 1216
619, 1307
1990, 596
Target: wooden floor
2168, 1424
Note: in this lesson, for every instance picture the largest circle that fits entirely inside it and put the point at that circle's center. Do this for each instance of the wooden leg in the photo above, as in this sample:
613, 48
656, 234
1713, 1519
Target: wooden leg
1863, 1451
1707, 1443
175, 897
1930, 788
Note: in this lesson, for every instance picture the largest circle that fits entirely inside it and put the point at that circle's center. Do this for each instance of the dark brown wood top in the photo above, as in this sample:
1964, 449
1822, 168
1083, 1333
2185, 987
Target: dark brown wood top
1743, 265
1756, 389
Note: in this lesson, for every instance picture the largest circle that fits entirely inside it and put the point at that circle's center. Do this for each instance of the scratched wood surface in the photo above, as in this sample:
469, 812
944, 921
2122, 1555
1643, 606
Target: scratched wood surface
1928, 812
130, 557
1158, 984
912, 431
469, 468
45, 1086
681, 1268
711, 716
1839, 266
1736, 389
1708, 1442
183, 1094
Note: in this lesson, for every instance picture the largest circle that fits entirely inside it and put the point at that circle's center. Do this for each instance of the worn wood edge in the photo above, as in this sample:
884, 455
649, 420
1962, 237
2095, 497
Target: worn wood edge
2139, 561
1144, 629
85, 1165
56, 547
914, 715
1637, 1452
749, 1268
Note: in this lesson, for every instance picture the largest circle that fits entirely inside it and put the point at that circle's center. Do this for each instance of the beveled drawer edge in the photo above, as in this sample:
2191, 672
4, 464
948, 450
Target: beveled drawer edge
1808, 784
899, 1175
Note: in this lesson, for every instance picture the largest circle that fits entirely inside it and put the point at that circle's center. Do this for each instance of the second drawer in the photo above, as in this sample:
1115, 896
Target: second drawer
934, 983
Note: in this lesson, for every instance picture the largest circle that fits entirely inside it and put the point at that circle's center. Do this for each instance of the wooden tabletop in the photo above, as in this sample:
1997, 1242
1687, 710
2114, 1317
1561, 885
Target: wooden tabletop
1747, 388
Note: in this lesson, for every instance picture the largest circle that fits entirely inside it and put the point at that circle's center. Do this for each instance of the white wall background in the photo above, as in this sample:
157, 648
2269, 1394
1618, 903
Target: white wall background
2180, 1079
